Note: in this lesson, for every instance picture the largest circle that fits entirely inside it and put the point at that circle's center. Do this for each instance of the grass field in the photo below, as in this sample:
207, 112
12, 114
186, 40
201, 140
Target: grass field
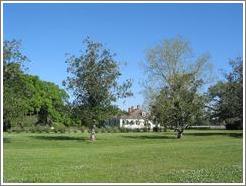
200, 156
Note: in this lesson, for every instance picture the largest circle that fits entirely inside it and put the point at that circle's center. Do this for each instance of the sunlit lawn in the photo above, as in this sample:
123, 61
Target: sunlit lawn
200, 156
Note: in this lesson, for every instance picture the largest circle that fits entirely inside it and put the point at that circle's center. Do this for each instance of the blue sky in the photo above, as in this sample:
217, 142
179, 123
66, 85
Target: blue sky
49, 31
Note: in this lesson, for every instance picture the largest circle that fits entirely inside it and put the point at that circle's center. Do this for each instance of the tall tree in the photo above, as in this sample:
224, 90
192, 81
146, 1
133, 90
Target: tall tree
14, 92
226, 97
174, 79
93, 80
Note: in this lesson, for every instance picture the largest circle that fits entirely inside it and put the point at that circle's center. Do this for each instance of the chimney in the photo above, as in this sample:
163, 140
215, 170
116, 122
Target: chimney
138, 107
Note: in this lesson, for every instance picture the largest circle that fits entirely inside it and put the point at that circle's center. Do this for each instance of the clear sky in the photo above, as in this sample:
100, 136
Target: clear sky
49, 31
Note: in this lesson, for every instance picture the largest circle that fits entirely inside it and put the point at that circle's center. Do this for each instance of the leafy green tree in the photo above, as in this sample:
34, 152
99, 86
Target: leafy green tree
174, 80
26, 94
180, 105
14, 92
93, 80
47, 100
226, 98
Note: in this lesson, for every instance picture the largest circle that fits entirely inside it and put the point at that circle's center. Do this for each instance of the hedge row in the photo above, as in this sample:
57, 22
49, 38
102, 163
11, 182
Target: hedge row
61, 129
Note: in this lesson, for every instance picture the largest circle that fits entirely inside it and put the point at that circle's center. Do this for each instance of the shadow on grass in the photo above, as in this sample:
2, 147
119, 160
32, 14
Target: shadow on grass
60, 138
236, 135
150, 137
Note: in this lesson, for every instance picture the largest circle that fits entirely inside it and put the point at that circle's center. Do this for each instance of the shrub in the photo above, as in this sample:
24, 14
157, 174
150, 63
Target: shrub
32, 130
115, 130
47, 130
233, 126
156, 129
61, 129
145, 130
123, 130
39, 129
17, 130
97, 130
109, 130
58, 127
82, 129
103, 130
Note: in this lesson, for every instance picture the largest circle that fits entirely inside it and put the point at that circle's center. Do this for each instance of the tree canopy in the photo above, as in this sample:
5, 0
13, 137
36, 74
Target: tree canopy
93, 80
26, 94
226, 97
174, 79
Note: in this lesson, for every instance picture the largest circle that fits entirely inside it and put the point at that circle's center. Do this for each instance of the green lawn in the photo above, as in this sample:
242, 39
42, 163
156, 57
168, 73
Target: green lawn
200, 156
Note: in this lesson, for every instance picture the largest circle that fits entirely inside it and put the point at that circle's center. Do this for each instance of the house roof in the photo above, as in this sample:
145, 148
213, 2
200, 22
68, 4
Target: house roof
134, 114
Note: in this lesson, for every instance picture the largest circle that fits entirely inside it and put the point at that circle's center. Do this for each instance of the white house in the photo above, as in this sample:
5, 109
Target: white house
134, 119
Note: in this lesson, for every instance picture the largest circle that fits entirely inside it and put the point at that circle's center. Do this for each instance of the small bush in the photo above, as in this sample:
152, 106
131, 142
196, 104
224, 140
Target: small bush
17, 130
146, 130
82, 129
39, 129
47, 130
123, 130
61, 129
32, 130
233, 124
97, 130
109, 130
156, 129
9, 130
114, 130
58, 127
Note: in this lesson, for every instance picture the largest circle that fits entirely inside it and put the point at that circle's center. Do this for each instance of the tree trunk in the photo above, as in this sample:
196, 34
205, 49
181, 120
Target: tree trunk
92, 136
6, 125
179, 134
93, 133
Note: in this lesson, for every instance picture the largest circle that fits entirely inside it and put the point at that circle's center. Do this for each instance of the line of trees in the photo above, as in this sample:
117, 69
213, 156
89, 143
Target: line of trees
174, 84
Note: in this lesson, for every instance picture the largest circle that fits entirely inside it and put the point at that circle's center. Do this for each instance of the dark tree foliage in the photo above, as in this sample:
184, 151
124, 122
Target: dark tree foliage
226, 98
14, 93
